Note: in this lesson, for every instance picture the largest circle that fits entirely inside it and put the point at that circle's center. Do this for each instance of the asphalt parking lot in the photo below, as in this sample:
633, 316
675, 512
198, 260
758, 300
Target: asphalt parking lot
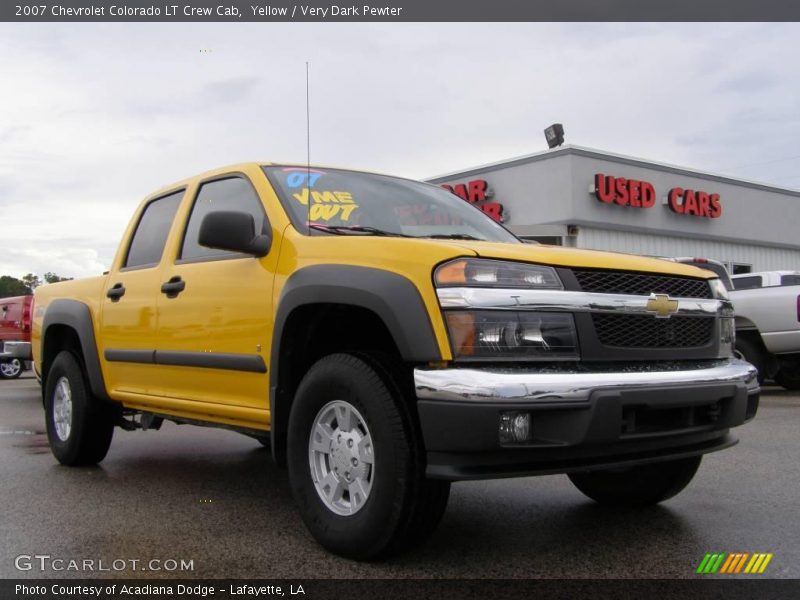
215, 498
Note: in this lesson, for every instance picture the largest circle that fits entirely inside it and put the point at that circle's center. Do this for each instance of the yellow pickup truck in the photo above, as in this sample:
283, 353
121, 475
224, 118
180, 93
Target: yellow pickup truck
386, 338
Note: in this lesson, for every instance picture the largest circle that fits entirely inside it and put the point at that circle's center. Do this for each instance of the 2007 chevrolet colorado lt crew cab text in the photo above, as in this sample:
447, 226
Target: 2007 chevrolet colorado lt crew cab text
386, 338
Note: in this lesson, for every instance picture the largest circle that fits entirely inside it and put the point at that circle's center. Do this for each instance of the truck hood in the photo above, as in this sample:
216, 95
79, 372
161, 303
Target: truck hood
573, 257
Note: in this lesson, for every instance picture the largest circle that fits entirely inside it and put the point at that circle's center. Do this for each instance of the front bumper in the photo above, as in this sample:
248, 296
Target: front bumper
12, 350
581, 418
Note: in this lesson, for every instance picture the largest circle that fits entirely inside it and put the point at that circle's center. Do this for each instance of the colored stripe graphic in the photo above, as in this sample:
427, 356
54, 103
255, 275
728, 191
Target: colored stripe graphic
734, 563
732, 560
703, 563
741, 562
711, 563
758, 563
721, 562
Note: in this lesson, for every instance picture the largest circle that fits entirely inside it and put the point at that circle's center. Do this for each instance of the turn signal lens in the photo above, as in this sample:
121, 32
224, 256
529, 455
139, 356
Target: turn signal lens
451, 273
462, 332
478, 272
718, 289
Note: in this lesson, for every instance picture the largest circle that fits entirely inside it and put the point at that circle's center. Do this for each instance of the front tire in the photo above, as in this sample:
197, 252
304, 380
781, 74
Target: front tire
788, 378
750, 351
641, 485
79, 427
356, 462
11, 369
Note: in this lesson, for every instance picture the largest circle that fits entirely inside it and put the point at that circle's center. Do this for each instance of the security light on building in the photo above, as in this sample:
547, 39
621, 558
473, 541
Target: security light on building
554, 135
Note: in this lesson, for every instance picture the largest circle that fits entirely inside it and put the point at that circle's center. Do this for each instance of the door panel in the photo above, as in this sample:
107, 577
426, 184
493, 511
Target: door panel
215, 323
128, 328
217, 332
129, 321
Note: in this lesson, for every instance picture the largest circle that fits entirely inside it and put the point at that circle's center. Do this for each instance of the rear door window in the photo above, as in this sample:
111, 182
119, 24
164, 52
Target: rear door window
790, 279
151, 233
747, 283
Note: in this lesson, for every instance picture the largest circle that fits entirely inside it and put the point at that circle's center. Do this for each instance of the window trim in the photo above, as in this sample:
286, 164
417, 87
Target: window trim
179, 260
746, 276
124, 267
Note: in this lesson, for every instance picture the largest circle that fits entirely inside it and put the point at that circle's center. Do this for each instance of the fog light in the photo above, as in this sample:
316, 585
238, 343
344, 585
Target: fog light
515, 427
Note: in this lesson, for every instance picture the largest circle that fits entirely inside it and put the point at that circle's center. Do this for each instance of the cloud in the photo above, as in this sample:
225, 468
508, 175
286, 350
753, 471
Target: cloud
749, 83
95, 116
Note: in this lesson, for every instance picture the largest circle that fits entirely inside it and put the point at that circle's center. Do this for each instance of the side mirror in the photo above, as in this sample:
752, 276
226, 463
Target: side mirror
233, 231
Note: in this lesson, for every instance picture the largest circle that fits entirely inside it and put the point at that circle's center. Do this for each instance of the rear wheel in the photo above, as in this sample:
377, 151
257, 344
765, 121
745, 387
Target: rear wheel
11, 369
79, 427
356, 465
641, 485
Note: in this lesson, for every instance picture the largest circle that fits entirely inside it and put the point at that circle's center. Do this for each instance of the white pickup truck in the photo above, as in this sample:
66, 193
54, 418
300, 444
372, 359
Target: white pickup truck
767, 306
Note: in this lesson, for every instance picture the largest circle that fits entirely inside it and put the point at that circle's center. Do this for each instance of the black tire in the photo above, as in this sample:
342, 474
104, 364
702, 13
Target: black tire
752, 353
788, 378
402, 507
642, 485
11, 369
91, 423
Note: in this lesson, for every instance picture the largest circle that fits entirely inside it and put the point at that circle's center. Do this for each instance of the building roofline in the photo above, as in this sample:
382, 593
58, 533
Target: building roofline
574, 150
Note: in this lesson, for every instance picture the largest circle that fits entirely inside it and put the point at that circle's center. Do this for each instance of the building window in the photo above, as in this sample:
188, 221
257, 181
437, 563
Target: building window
550, 240
739, 268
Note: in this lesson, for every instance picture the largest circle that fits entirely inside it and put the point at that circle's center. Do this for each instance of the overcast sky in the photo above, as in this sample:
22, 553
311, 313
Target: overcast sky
95, 116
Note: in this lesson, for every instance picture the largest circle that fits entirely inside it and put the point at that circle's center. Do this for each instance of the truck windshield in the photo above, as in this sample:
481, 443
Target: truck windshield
332, 201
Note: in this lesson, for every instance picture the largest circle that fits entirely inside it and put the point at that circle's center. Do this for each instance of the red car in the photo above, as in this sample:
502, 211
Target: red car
15, 335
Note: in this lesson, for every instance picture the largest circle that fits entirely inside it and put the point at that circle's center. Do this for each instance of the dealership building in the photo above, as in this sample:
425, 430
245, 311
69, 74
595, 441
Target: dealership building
586, 198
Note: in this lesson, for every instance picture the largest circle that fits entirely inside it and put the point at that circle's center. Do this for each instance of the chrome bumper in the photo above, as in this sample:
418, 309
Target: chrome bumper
580, 419
20, 350
569, 386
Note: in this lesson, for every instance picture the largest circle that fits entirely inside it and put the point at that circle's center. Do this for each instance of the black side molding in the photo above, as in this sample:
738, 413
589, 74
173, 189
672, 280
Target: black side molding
393, 298
251, 363
130, 356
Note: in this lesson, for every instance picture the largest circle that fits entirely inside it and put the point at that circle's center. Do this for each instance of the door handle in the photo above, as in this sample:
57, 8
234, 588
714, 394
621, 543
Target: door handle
116, 292
173, 287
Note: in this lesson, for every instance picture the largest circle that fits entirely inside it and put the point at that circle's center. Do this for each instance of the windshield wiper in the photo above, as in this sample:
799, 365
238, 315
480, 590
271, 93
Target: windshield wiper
347, 229
453, 236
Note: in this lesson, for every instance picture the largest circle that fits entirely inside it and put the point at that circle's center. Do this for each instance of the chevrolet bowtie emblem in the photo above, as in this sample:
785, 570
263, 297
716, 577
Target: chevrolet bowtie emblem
662, 306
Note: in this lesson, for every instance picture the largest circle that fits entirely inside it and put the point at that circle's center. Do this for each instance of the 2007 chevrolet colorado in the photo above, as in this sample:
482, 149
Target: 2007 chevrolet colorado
388, 338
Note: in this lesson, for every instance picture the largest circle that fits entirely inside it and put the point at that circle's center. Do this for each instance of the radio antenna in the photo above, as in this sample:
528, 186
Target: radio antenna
308, 151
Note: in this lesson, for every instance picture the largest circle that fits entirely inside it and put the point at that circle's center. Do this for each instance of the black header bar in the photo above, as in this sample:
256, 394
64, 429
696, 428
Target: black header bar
396, 11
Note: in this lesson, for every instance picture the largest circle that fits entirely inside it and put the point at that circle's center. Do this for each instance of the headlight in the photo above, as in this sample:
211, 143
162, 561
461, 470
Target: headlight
502, 334
477, 272
718, 289
506, 334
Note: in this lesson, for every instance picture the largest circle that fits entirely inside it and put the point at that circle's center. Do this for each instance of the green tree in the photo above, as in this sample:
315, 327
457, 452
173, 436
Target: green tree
32, 281
50, 277
11, 286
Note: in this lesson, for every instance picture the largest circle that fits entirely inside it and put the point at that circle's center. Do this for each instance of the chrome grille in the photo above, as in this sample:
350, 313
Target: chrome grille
644, 331
641, 284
